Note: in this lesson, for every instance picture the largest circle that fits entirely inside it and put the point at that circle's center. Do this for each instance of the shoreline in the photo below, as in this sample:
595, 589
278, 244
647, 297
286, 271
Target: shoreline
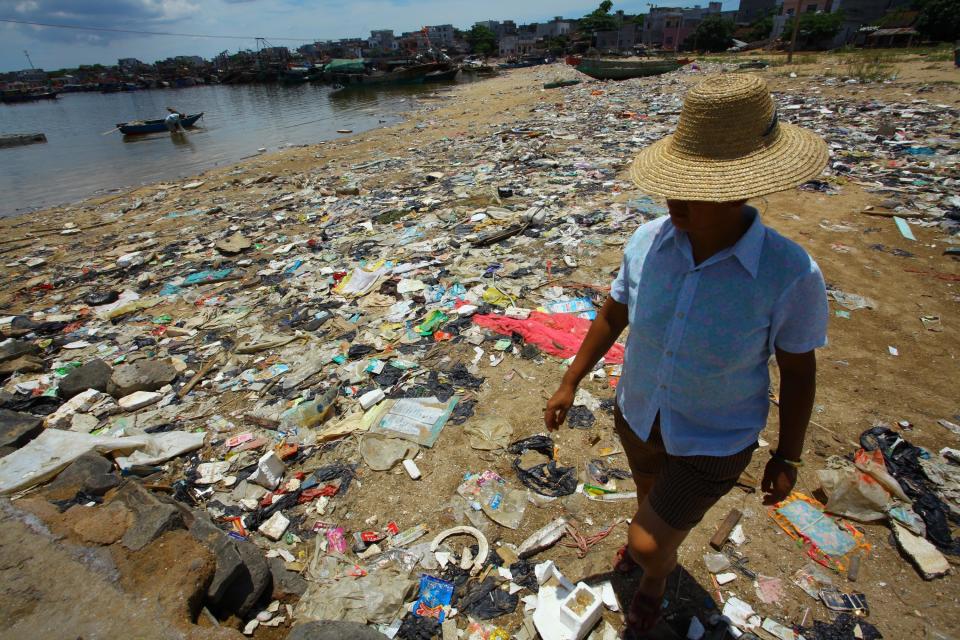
400, 105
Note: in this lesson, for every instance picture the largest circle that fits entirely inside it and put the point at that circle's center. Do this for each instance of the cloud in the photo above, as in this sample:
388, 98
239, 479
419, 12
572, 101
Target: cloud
105, 14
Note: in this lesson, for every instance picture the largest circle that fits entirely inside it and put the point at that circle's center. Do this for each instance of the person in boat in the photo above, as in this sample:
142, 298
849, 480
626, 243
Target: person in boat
173, 121
709, 293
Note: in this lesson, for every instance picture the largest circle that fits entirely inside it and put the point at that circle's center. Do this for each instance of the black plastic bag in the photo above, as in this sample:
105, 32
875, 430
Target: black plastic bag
540, 443
484, 600
548, 479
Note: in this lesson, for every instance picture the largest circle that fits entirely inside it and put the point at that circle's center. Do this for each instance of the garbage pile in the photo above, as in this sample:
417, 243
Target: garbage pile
252, 353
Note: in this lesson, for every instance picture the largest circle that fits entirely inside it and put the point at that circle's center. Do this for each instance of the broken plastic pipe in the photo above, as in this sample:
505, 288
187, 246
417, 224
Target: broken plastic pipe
482, 553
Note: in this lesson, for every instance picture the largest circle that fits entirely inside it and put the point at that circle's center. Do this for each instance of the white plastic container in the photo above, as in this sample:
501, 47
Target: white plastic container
580, 611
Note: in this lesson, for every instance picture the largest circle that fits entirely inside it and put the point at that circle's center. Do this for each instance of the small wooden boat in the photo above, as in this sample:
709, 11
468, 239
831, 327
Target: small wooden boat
139, 127
614, 69
560, 83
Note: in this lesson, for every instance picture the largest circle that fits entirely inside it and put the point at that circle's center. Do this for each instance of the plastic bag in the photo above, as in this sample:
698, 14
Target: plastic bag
854, 494
484, 600
488, 433
381, 453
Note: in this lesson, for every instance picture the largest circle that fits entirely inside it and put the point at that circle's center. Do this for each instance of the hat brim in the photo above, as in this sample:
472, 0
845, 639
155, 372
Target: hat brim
798, 155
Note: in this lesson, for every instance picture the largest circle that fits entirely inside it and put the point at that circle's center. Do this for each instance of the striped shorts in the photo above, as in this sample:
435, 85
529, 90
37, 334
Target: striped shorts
684, 487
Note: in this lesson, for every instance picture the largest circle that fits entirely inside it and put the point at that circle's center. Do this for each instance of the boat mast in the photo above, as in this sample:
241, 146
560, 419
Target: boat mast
27, 53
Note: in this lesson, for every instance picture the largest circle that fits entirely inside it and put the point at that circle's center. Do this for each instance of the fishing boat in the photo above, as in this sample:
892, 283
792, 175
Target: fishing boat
441, 75
614, 69
26, 95
139, 127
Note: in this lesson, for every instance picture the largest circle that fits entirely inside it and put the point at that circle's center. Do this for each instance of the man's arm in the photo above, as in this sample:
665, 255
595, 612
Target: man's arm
610, 322
798, 387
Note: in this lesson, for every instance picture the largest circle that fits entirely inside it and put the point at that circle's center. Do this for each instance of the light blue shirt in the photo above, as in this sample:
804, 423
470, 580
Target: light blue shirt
701, 335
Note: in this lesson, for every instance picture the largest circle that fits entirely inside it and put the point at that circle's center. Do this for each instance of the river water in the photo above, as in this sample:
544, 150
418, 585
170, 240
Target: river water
80, 160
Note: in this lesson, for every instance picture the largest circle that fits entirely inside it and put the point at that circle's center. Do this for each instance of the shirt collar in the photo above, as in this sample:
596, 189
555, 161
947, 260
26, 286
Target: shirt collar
747, 249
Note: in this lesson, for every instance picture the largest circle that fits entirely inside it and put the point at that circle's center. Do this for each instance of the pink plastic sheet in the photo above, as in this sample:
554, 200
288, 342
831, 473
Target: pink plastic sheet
559, 334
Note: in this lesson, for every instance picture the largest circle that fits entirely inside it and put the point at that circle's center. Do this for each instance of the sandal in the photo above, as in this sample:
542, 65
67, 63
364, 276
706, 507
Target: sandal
623, 563
643, 614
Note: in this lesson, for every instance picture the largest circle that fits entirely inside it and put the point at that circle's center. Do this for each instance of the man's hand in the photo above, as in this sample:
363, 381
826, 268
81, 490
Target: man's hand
557, 407
779, 478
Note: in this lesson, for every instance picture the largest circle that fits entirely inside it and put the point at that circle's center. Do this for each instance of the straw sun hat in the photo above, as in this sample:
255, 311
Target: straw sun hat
729, 145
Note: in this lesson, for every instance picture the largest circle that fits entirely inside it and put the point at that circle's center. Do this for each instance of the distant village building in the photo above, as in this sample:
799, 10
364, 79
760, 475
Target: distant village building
860, 13
553, 29
442, 35
622, 39
130, 65
383, 40
500, 29
520, 44
752, 10
414, 42
31, 76
669, 27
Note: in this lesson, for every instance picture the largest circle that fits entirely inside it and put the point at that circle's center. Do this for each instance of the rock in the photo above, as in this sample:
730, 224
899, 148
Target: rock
142, 375
90, 473
63, 416
17, 429
103, 525
23, 364
138, 400
151, 517
349, 190
242, 574
333, 630
233, 245
229, 563
13, 349
285, 583
244, 592
928, 560
92, 375
83, 422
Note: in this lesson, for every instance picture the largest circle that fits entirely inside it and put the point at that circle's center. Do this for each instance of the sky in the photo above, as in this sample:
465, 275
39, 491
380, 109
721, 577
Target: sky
309, 20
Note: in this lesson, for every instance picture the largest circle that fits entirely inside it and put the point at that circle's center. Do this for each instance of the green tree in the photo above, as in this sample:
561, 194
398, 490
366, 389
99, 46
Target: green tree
599, 19
815, 27
760, 29
482, 40
712, 34
557, 45
938, 19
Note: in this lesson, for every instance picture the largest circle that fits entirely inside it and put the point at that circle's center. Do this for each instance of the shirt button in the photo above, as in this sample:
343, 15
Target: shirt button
669, 354
680, 314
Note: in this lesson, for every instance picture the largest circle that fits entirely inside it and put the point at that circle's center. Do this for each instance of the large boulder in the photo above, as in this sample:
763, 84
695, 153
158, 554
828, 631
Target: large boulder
151, 517
285, 583
242, 577
23, 364
90, 473
92, 375
17, 429
13, 349
142, 375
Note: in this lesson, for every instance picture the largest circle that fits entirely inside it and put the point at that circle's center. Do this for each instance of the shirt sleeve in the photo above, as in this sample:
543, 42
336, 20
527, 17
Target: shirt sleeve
800, 318
619, 290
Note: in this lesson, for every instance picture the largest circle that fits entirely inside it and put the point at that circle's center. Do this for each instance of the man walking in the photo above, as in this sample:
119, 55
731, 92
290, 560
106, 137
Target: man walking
709, 293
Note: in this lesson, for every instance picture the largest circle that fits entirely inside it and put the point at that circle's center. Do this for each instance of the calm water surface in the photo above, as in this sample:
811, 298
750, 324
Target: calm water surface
79, 160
